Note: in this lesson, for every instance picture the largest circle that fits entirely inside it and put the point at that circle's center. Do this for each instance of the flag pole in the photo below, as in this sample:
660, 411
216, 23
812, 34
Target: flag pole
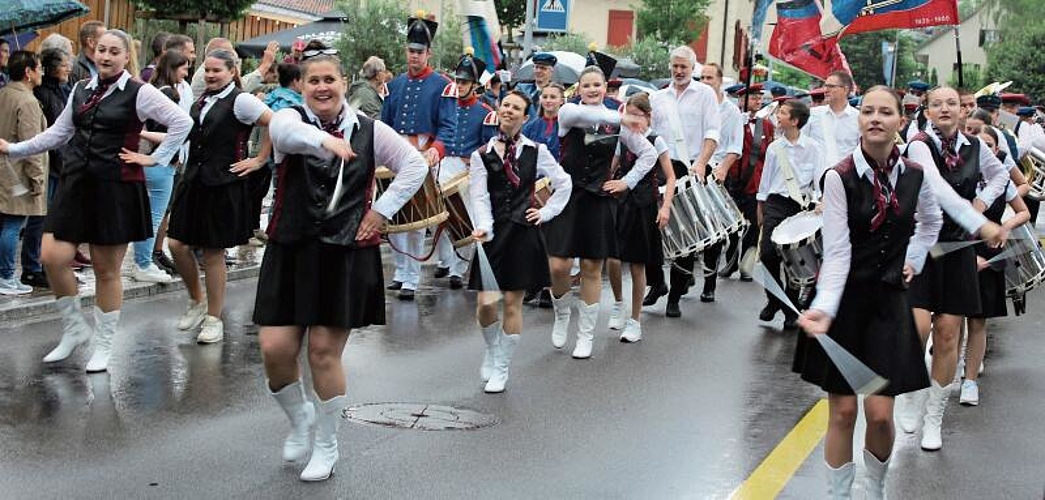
958, 49
749, 61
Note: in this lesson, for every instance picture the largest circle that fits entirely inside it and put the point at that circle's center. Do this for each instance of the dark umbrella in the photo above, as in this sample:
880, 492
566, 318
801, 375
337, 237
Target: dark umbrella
24, 15
21, 40
327, 29
626, 68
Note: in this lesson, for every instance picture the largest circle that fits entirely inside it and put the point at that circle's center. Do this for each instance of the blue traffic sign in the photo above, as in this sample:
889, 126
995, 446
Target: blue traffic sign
553, 15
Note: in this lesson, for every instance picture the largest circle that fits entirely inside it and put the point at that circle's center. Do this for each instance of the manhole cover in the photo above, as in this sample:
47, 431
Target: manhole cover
419, 416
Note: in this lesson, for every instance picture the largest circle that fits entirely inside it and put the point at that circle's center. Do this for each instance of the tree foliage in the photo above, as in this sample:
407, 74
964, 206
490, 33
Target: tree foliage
569, 42
225, 9
864, 52
671, 21
511, 13
1018, 57
649, 54
376, 28
448, 45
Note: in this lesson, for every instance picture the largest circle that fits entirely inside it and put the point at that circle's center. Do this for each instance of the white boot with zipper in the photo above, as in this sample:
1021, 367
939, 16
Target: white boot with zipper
324, 446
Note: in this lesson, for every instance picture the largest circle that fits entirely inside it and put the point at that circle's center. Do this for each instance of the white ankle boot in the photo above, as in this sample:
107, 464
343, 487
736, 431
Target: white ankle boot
588, 315
909, 408
491, 335
105, 329
840, 481
875, 479
617, 316
324, 446
932, 424
302, 414
505, 351
75, 330
560, 329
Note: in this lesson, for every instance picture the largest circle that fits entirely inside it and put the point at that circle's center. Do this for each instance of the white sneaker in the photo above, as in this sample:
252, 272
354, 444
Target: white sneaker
14, 287
213, 331
970, 395
150, 274
632, 331
617, 316
193, 315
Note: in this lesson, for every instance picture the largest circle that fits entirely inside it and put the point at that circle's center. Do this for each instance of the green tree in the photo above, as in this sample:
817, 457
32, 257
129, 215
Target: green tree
569, 42
864, 52
790, 76
448, 45
1018, 57
511, 14
650, 54
672, 21
225, 9
377, 28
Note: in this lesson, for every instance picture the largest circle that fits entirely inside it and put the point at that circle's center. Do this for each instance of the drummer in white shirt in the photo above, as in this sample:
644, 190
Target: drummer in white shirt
778, 198
834, 125
685, 114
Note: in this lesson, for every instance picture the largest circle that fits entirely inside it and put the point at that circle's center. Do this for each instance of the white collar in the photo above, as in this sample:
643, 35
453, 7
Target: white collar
803, 141
120, 83
962, 139
863, 167
519, 144
223, 94
848, 111
348, 119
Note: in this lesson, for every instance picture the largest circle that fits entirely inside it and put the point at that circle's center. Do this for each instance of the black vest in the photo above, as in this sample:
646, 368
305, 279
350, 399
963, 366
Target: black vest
879, 255
589, 165
217, 142
103, 131
507, 201
305, 185
645, 192
963, 180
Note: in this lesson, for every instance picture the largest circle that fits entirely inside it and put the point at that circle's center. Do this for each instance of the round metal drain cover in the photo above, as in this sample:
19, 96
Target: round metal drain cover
421, 417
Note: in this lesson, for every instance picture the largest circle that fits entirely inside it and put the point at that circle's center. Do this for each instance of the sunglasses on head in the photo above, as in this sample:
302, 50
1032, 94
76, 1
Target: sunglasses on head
318, 52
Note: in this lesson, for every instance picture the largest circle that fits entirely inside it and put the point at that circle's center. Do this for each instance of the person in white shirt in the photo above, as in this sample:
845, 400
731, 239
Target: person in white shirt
322, 270
727, 152
792, 154
871, 252
834, 125
101, 198
507, 220
686, 115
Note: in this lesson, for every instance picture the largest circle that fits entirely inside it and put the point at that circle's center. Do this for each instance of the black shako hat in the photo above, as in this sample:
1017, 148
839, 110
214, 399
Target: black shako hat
603, 61
469, 68
420, 31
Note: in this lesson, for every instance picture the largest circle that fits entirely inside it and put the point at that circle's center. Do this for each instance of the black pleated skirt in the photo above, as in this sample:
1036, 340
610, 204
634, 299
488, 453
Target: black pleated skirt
315, 283
874, 323
87, 209
586, 228
517, 257
212, 216
948, 285
638, 238
992, 286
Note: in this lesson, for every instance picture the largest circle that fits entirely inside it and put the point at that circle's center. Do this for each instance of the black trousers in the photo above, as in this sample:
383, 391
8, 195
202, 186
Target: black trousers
774, 210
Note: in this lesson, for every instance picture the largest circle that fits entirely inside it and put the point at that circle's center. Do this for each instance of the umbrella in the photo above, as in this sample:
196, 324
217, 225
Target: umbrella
20, 40
626, 68
567, 69
327, 29
24, 15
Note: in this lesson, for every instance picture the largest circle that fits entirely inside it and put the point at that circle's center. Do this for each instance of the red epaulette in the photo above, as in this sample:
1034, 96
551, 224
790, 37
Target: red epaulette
450, 90
491, 117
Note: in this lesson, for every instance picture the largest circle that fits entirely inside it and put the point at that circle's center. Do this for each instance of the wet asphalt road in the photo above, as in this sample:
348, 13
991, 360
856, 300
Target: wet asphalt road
689, 412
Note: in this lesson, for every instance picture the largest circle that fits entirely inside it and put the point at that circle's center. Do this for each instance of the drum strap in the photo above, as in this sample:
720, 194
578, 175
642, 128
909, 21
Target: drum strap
681, 148
793, 191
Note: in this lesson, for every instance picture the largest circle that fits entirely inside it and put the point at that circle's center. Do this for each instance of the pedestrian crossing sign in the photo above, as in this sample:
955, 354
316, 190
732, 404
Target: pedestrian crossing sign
553, 15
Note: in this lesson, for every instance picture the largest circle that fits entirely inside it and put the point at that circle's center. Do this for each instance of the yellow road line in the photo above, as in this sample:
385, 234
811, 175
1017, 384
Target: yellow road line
776, 470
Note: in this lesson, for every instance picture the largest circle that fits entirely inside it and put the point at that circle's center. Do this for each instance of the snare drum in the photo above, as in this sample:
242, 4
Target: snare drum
728, 215
459, 223
1025, 267
798, 240
424, 209
689, 228
542, 190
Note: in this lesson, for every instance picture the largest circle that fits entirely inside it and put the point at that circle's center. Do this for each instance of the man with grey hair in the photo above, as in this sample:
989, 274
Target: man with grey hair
365, 93
685, 114
59, 42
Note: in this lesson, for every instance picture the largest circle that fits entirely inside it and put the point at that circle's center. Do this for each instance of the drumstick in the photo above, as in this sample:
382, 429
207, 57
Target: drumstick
1009, 252
945, 247
861, 378
489, 281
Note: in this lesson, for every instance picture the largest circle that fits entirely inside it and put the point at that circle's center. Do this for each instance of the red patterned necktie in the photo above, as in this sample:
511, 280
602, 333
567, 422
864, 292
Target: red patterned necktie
950, 158
99, 92
883, 189
334, 129
509, 159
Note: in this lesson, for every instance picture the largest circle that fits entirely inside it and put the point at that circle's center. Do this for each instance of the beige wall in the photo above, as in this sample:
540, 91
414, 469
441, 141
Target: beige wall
941, 52
592, 17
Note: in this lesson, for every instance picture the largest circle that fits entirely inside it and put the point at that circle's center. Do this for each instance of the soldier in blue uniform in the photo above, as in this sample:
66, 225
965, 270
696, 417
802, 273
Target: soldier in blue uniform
543, 70
421, 109
476, 125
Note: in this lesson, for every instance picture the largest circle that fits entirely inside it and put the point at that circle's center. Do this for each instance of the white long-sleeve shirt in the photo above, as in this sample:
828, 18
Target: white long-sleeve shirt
731, 133
479, 192
572, 115
838, 250
958, 208
698, 114
843, 127
150, 104
290, 136
807, 161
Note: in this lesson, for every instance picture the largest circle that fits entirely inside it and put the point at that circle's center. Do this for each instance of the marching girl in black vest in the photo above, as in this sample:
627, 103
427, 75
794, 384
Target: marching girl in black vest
639, 220
211, 205
586, 229
992, 281
101, 197
501, 192
880, 218
321, 273
948, 289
